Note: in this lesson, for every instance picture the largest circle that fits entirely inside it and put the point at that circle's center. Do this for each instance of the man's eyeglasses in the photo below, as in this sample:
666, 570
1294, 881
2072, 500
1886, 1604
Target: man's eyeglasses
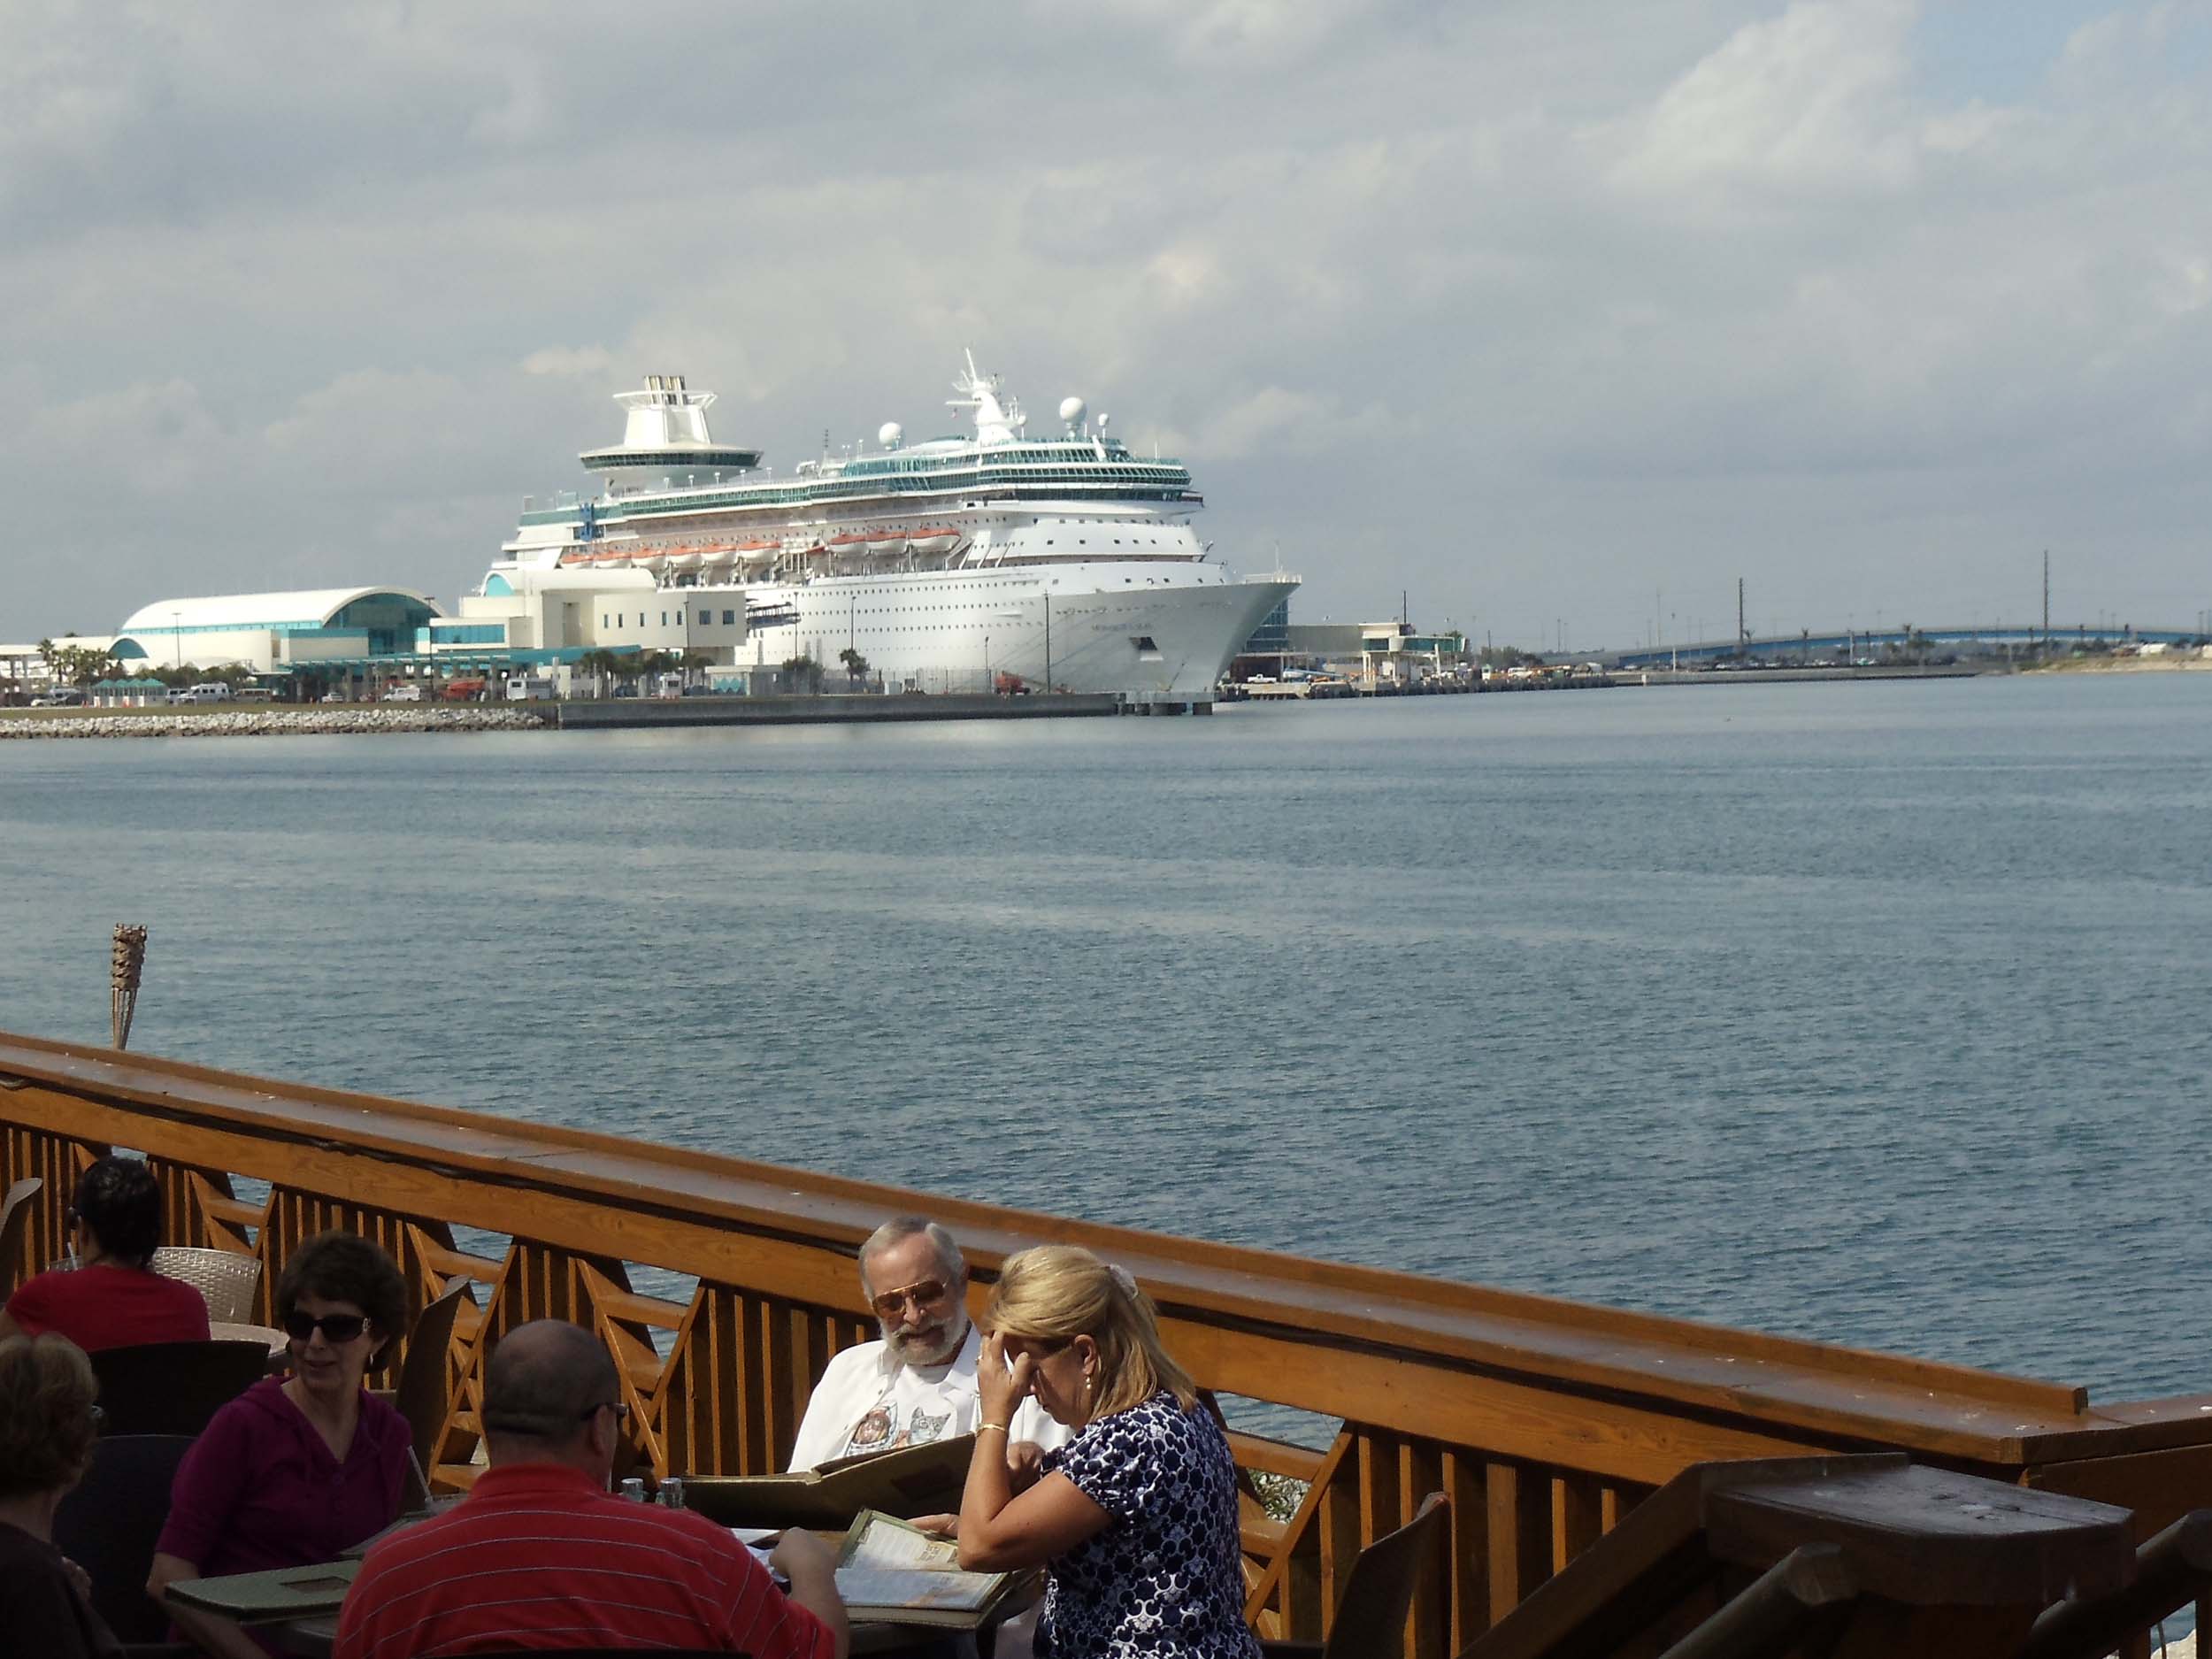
619, 1408
892, 1302
339, 1327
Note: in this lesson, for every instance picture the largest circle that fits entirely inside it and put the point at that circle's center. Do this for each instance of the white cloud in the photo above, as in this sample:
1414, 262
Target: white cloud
570, 362
1810, 101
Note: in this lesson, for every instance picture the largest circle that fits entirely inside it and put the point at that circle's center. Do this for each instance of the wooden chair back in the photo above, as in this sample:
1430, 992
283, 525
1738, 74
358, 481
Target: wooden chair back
1370, 1615
224, 1277
15, 1233
172, 1387
109, 1525
2171, 1570
1767, 1557
423, 1394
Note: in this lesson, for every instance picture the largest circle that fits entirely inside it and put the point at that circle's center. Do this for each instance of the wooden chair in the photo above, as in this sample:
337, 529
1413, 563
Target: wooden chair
1371, 1616
423, 1395
2171, 1570
172, 1387
15, 1232
224, 1277
1769, 1557
109, 1525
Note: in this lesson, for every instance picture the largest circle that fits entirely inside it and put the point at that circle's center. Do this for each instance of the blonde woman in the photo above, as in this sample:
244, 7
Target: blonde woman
1136, 1518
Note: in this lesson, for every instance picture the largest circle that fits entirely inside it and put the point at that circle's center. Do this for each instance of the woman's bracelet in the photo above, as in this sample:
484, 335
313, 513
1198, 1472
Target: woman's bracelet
1002, 1427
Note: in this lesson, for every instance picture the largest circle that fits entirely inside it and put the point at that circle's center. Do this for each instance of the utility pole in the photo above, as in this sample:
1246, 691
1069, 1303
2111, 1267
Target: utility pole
2046, 595
1742, 637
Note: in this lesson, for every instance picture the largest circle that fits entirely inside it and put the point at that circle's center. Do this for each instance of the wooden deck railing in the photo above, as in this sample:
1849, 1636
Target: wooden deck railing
1543, 1421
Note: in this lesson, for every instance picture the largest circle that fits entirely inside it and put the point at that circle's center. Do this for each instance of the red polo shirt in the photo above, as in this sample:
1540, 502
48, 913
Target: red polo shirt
537, 1556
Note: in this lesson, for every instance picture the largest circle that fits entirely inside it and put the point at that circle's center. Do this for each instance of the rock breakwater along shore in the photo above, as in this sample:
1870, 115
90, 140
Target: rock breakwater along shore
275, 722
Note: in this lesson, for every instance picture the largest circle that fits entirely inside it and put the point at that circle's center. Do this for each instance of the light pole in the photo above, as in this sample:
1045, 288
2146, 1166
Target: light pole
987, 663
176, 629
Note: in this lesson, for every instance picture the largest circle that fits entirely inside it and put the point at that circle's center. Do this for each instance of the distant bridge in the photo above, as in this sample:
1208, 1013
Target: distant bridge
1854, 643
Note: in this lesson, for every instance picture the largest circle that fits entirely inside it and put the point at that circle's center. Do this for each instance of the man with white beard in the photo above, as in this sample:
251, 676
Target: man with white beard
918, 1384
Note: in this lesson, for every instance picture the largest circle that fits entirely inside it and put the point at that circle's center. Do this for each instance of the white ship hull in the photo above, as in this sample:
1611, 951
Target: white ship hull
1147, 631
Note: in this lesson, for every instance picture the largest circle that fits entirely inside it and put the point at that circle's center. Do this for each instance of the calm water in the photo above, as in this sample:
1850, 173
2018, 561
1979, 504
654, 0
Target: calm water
1873, 1013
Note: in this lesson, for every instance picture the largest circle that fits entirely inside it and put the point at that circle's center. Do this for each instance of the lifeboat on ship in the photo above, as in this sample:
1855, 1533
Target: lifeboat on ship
617, 561
758, 552
652, 559
685, 561
853, 544
932, 540
886, 545
717, 560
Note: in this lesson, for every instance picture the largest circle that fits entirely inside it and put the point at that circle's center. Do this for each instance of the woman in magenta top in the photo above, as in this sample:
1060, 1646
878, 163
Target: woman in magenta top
293, 1473
114, 1299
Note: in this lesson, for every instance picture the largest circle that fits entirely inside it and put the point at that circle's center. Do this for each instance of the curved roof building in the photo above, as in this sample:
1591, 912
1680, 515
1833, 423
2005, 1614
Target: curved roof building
268, 631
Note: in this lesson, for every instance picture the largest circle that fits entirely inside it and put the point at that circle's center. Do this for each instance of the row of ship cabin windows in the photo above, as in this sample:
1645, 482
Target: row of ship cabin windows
705, 619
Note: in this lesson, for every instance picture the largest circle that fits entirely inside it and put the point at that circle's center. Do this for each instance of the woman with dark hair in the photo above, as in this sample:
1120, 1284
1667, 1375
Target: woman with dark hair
114, 1299
47, 1426
296, 1472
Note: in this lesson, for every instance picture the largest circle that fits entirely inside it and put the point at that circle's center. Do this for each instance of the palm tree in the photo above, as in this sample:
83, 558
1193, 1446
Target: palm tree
855, 665
605, 666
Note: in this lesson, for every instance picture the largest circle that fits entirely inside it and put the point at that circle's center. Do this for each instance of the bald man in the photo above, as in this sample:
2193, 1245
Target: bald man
541, 1554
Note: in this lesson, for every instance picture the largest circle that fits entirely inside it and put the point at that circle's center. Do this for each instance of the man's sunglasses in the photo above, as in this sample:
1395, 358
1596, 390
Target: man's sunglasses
926, 1294
339, 1327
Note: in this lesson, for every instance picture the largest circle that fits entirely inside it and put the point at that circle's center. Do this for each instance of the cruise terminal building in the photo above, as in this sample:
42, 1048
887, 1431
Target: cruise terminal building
374, 634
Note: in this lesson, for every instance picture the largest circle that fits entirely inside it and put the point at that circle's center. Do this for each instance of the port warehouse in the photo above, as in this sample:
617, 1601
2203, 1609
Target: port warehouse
1562, 1435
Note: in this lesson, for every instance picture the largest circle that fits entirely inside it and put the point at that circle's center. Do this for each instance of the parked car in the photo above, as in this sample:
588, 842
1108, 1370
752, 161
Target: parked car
403, 694
60, 697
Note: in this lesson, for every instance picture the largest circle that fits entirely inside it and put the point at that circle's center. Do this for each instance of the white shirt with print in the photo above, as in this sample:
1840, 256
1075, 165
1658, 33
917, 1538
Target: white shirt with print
867, 1402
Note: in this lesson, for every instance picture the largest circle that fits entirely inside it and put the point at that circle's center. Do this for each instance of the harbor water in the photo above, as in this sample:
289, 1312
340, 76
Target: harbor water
1872, 1013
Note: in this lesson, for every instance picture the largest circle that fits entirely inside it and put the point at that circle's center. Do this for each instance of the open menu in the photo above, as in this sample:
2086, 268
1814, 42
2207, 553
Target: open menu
890, 1572
913, 1480
280, 1593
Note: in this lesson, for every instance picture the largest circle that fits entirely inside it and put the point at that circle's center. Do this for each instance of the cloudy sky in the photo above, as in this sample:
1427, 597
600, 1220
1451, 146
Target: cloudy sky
1549, 316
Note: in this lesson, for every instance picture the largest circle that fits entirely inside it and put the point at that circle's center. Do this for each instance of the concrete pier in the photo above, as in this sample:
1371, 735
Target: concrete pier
653, 713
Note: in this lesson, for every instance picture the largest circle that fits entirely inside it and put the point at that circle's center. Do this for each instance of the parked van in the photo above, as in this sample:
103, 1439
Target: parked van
411, 692
206, 691
524, 688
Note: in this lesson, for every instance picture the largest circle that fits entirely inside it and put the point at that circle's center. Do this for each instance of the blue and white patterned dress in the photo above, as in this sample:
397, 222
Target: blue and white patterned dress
1165, 1580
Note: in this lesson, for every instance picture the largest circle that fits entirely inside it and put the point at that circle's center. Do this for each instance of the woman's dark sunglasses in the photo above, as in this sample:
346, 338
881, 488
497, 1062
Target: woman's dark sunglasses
339, 1327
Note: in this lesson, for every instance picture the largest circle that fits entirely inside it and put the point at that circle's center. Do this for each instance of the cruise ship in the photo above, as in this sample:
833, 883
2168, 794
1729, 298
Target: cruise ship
961, 562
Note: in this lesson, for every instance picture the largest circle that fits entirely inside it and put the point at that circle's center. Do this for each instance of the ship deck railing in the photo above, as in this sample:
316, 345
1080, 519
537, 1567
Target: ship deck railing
723, 1285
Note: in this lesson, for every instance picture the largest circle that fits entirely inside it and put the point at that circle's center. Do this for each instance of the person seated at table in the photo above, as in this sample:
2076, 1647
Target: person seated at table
541, 1554
1135, 1518
918, 1383
295, 1470
48, 1423
114, 1299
